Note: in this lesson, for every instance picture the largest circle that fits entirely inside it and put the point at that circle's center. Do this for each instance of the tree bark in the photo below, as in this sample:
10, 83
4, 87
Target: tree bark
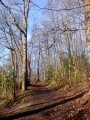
24, 65
87, 19
29, 70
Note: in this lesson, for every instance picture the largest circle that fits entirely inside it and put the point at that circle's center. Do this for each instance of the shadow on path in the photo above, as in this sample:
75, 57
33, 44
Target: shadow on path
31, 112
38, 90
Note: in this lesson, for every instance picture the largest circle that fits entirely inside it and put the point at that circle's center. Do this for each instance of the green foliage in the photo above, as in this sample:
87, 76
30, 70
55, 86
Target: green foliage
1, 78
65, 65
49, 74
6, 84
9, 85
69, 72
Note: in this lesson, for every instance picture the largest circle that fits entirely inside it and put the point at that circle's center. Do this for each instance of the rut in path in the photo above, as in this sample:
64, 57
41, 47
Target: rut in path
38, 100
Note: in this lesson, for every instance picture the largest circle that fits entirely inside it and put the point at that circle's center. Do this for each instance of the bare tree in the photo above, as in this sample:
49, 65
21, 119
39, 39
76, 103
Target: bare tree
24, 11
87, 19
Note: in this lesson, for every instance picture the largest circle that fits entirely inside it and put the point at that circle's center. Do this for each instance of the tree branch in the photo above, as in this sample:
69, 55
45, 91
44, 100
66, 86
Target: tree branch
12, 17
58, 10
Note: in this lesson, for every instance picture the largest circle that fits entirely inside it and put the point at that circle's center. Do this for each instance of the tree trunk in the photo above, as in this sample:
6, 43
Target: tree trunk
24, 65
87, 19
47, 57
29, 70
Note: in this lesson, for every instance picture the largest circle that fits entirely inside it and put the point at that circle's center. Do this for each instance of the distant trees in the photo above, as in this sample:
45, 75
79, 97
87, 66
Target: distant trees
63, 44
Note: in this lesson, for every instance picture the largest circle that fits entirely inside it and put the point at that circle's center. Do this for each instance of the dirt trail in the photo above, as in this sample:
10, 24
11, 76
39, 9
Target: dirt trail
42, 103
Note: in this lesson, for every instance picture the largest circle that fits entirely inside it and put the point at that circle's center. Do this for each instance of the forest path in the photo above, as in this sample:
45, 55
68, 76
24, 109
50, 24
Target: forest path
43, 103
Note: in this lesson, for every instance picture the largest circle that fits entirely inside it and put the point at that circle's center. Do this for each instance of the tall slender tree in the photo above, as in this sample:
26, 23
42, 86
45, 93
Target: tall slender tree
87, 19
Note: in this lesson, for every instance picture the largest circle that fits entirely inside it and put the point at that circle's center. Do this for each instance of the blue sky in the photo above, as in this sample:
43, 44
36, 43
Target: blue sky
35, 16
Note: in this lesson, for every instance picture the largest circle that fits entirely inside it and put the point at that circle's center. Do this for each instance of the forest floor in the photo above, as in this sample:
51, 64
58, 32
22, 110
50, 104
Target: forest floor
42, 103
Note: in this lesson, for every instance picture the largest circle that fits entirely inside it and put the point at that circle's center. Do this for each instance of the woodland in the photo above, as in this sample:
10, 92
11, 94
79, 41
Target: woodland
45, 59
